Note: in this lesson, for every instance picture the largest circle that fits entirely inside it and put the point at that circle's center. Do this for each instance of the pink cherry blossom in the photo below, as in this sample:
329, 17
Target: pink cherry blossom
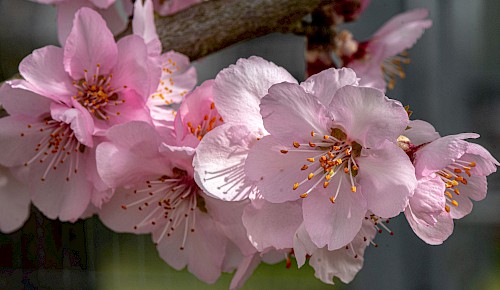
110, 10
379, 60
49, 148
156, 193
14, 202
108, 81
344, 262
311, 143
451, 172
178, 77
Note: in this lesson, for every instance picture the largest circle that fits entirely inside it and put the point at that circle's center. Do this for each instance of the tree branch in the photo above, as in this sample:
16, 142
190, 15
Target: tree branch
213, 25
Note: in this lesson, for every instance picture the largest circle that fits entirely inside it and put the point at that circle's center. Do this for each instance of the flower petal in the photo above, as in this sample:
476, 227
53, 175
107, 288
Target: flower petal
485, 164
239, 88
14, 202
433, 235
428, 200
290, 114
387, 179
421, 132
368, 116
16, 99
89, 44
325, 84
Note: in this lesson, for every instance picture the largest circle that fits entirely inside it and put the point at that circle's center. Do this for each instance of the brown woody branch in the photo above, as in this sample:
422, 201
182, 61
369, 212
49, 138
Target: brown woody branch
213, 25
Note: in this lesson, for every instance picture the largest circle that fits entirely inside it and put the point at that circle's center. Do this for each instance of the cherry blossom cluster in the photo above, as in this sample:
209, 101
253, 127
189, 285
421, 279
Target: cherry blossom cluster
250, 167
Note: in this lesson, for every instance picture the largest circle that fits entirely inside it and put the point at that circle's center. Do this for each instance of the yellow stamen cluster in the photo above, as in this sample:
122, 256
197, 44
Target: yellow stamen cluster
452, 176
209, 122
393, 67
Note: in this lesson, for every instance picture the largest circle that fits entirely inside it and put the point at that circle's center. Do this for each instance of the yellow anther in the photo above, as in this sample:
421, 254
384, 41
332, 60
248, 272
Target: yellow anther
468, 172
326, 137
454, 202
295, 185
296, 144
313, 134
448, 184
454, 183
472, 164
338, 161
457, 192
310, 176
457, 170
311, 144
459, 178
447, 208
336, 148
323, 158
189, 124
284, 151
353, 188
212, 106
304, 167
330, 154
304, 195
205, 117
346, 170
355, 167
347, 152
332, 199
328, 177
464, 181
325, 184
448, 194
311, 159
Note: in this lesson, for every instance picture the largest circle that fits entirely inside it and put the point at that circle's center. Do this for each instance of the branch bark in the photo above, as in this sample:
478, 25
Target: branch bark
213, 25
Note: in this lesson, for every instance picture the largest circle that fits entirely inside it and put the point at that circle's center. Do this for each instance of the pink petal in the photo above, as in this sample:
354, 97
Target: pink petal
386, 178
79, 119
204, 249
133, 69
475, 189
433, 235
14, 202
89, 44
143, 23
368, 116
302, 245
421, 132
428, 201
325, 84
441, 153
220, 159
44, 71
401, 32
16, 99
103, 4
244, 271
272, 225
239, 88
275, 173
485, 163
334, 225
290, 114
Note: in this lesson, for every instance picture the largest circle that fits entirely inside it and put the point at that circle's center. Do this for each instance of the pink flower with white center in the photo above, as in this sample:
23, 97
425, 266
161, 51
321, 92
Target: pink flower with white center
339, 158
168, 7
49, 148
178, 77
379, 60
344, 262
108, 81
110, 10
451, 172
156, 193
14, 202
196, 116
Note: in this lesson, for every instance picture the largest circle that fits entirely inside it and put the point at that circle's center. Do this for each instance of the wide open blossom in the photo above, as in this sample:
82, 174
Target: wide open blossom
378, 61
344, 262
450, 173
339, 158
110, 10
49, 147
108, 81
178, 77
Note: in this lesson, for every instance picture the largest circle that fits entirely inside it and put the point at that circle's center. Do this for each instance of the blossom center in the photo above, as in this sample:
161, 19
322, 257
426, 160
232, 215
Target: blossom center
452, 175
330, 154
58, 146
167, 85
95, 93
170, 203
207, 124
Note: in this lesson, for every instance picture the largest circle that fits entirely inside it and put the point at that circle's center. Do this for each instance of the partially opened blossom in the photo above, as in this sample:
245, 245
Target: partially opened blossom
451, 173
378, 61
343, 263
340, 158
177, 78
14, 202
49, 147
110, 10
107, 81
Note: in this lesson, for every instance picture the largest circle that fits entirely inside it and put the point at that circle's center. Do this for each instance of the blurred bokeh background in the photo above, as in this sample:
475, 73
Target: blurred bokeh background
453, 82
